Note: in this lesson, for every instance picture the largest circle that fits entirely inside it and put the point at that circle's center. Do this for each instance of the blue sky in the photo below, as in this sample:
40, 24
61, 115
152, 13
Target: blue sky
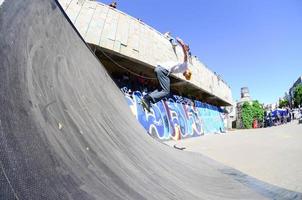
253, 43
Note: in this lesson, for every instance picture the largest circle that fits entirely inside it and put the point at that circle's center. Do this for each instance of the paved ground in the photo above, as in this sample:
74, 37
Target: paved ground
272, 154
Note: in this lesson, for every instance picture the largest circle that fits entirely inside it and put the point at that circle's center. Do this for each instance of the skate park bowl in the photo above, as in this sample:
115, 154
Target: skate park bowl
66, 131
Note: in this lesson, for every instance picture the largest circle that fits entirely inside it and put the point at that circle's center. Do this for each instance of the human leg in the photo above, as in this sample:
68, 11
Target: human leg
162, 75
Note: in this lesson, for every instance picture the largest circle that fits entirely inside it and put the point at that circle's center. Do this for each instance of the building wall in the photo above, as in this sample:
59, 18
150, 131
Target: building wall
177, 117
112, 29
292, 89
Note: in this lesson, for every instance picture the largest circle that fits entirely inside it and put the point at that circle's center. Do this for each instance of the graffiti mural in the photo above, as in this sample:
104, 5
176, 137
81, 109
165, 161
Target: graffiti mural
176, 117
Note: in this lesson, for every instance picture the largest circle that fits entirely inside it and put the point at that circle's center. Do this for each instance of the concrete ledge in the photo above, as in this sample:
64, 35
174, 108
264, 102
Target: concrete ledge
112, 29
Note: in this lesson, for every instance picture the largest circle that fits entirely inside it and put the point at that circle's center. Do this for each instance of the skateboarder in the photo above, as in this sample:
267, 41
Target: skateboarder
162, 72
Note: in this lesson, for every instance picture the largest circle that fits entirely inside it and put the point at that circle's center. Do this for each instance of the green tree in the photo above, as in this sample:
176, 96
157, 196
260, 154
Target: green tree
247, 115
298, 95
258, 111
283, 103
250, 112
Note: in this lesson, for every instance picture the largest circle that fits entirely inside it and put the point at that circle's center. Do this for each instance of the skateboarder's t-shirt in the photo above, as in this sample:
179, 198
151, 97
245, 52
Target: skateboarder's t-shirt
175, 67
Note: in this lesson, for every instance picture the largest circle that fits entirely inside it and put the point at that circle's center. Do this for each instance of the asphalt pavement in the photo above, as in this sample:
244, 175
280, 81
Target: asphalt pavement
273, 155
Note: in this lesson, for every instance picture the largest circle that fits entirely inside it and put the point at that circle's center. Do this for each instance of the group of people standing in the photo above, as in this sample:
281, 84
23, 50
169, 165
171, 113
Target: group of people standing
279, 117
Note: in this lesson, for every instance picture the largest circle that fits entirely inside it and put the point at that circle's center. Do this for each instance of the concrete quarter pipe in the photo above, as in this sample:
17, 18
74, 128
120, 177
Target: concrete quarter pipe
65, 127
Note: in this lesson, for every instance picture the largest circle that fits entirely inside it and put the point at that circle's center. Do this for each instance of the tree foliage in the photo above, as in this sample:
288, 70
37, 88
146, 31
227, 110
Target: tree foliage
250, 112
258, 111
283, 103
247, 115
298, 95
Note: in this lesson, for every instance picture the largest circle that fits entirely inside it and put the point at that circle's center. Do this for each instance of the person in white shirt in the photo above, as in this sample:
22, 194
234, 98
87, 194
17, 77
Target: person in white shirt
162, 72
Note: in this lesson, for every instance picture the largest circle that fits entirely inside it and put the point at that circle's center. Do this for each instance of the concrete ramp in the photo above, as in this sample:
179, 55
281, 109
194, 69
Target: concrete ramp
66, 131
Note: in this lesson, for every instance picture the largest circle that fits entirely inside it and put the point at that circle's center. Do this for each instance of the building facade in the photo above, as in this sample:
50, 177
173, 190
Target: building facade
245, 97
292, 90
129, 49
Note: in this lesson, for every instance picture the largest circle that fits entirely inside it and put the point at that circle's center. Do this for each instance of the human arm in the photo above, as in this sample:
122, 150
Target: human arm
184, 48
188, 73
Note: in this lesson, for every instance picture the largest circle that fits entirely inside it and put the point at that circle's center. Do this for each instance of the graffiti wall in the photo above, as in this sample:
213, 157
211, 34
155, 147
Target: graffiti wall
176, 117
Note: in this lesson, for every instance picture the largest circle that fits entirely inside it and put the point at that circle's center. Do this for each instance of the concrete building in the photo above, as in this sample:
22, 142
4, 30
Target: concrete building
127, 46
292, 89
114, 35
271, 106
245, 97
231, 115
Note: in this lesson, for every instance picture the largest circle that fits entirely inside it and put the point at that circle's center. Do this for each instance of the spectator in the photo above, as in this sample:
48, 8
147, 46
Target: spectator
126, 80
270, 119
189, 54
141, 81
113, 4
170, 38
278, 117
